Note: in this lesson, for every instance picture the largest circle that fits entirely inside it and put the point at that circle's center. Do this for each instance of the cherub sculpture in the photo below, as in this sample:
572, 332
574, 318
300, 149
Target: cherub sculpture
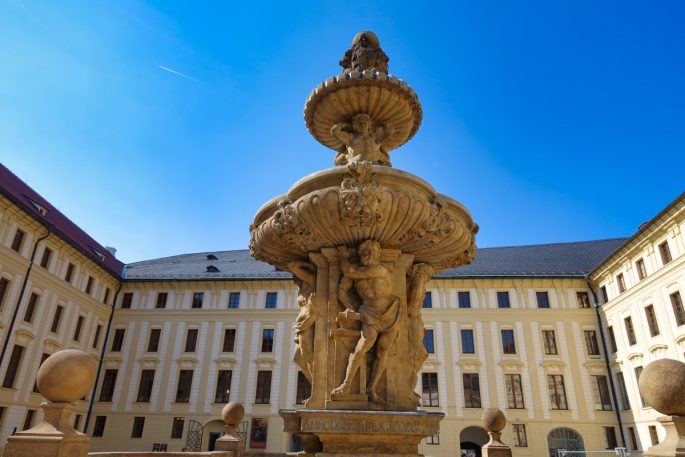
363, 141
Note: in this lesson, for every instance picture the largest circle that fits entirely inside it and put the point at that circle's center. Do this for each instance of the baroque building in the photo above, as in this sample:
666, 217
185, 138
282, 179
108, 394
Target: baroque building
555, 335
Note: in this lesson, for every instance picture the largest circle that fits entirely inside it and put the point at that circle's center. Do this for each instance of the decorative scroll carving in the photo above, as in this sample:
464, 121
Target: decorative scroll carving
417, 278
304, 275
436, 227
365, 54
287, 223
362, 141
381, 314
360, 196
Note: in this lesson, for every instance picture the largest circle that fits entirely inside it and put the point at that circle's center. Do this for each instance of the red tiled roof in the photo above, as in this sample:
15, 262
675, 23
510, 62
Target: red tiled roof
40, 209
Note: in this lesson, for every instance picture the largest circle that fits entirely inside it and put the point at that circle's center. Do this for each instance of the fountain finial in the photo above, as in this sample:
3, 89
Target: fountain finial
365, 54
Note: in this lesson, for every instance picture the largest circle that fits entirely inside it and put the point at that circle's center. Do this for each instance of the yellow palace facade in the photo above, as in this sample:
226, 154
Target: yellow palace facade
176, 338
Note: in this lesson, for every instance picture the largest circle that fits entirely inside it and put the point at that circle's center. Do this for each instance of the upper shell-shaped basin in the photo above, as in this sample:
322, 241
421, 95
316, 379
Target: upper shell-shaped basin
347, 205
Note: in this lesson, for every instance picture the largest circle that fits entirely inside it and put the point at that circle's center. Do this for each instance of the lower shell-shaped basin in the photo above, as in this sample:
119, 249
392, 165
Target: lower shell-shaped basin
349, 204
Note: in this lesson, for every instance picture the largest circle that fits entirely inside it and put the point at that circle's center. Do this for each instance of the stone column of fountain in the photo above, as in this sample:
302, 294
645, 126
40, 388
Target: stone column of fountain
361, 240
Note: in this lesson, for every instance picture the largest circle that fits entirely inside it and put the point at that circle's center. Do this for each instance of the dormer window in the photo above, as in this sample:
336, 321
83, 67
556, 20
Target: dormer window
38, 207
211, 257
212, 269
98, 254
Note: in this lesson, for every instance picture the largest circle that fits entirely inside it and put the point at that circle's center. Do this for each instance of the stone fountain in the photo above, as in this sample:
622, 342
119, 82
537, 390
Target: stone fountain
361, 240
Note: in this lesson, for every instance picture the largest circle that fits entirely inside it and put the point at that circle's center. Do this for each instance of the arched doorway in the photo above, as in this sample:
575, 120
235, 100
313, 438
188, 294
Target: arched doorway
564, 438
211, 432
471, 439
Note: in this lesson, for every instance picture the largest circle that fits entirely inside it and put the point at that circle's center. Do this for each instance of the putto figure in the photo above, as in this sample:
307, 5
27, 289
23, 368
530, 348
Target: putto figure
363, 141
380, 312
304, 275
365, 54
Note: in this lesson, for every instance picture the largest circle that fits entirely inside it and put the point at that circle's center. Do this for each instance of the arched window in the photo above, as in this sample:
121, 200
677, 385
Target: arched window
564, 438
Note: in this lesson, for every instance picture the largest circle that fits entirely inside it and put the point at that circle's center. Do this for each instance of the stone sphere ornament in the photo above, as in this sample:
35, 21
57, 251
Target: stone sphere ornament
233, 413
662, 384
67, 375
493, 419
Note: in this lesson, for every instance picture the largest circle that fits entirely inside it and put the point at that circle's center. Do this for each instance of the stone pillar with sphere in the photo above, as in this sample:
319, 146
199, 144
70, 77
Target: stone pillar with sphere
65, 377
662, 384
362, 239
494, 421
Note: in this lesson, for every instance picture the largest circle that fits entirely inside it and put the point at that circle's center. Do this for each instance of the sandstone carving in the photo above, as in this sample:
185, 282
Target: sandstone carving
304, 275
362, 141
365, 54
380, 313
419, 275
287, 224
360, 196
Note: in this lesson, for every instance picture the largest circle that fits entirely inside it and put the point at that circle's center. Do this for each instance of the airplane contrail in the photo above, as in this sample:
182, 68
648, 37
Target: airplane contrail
177, 73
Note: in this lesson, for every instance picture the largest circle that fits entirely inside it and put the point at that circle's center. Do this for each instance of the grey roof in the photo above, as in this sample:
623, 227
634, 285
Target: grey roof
540, 260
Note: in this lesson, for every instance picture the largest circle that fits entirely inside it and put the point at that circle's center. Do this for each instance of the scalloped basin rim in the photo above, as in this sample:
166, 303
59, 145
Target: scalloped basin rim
332, 177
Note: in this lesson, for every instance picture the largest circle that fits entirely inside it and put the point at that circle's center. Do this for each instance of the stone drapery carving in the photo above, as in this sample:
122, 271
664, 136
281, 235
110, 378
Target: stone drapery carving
417, 278
362, 141
365, 54
379, 311
304, 275
360, 196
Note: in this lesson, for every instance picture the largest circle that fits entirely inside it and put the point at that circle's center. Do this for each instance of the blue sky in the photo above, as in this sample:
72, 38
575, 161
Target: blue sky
549, 121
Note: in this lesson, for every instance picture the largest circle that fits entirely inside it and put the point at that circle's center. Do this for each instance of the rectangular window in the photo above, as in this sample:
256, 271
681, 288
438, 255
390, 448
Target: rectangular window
105, 299
549, 342
118, 339
429, 389
191, 340
464, 299
147, 380
263, 394
271, 299
185, 382
641, 270
633, 439
18, 240
77, 421
503, 300
234, 300
267, 340
621, 283
13, 367
600, 393
161, 300
630, 330
557, 392
54, 327
624, 392
223, 386
99, 426
153, 341
651, 320
31, 307
68, 275
138, 425
229, 340
610, 437
45, 260
591, 342
428, 341
653, 435
612, 340
542, 299
28, 420
433, 439
467, 346
4, 285
471, 390
519, 435
508, 345
127, 300
89, 284
638, 372
43, 358
304, 388
583, 299
605, 296
108, 382
177, 428
512, 383
77, 330
96, 338
427, 300
198, 298
665, 252
678, 310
